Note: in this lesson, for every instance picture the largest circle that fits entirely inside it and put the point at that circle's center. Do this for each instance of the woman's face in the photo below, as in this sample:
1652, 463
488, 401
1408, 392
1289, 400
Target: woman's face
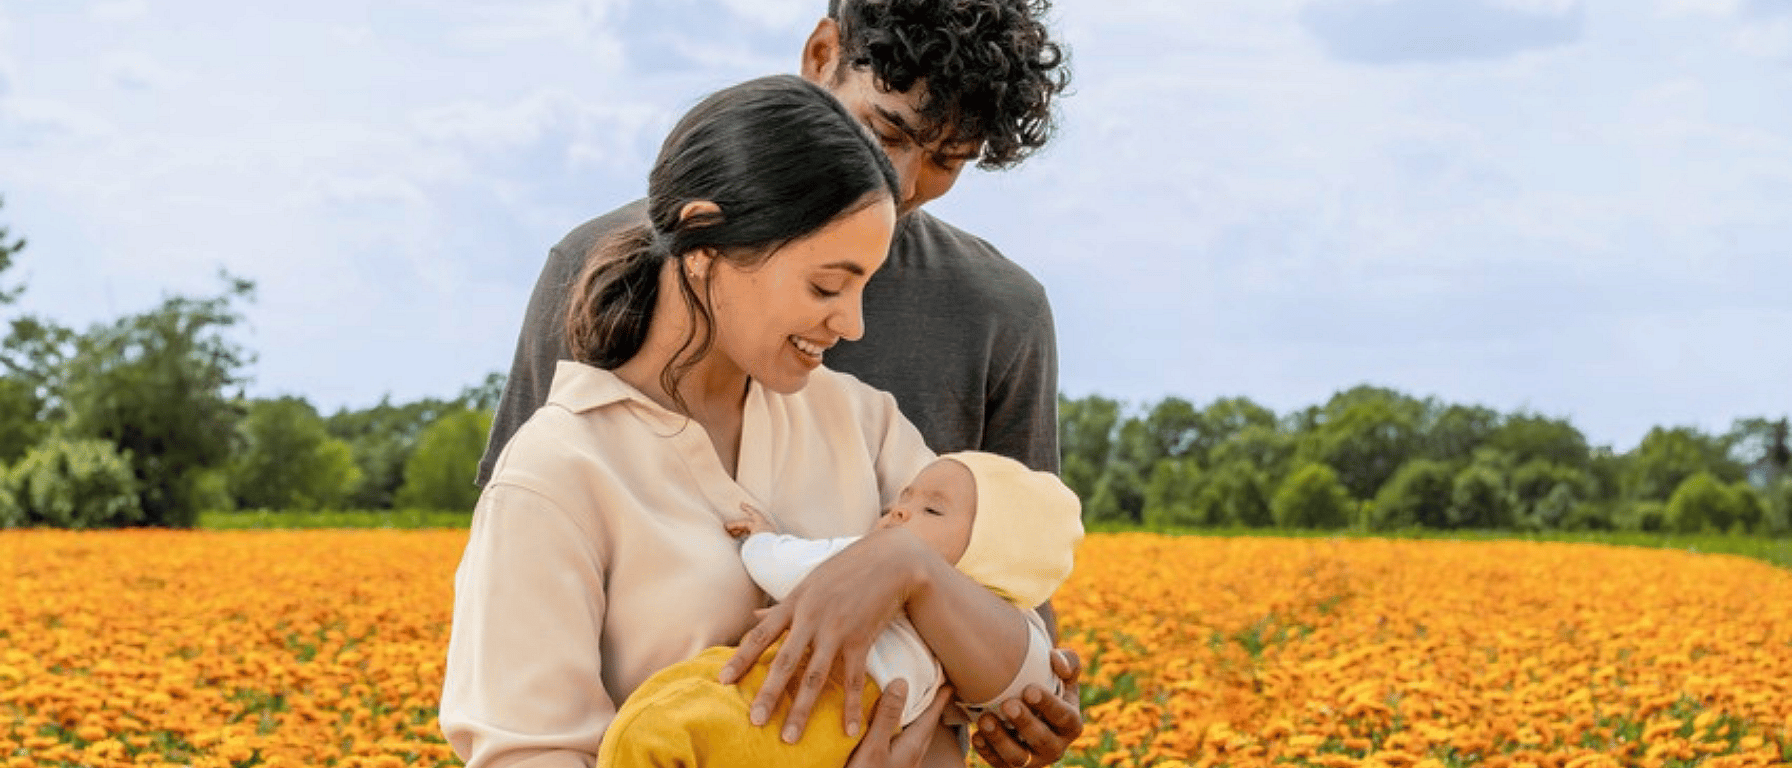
775, 321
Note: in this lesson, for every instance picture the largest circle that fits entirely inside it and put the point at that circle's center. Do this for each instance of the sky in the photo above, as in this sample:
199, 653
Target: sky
1576, 208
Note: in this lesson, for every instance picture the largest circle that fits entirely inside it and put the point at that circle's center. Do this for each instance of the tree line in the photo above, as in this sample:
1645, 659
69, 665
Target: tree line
1378, 459
143, 420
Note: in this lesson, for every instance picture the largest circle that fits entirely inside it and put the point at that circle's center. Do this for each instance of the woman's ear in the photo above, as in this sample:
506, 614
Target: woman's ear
696, 263
821, 53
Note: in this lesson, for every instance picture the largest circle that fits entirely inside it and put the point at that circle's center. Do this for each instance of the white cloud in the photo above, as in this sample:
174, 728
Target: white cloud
138, 72
1680, 8
117, 11
1768, 39
778, 14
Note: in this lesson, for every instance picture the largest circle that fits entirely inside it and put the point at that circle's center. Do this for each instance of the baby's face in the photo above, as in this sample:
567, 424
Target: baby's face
937, 506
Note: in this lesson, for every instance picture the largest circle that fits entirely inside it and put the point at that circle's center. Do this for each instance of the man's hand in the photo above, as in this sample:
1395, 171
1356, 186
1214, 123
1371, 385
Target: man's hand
1042, 730
882, 746
832, 618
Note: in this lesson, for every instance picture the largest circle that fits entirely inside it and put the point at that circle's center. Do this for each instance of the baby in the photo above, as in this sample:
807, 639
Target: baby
1010, 528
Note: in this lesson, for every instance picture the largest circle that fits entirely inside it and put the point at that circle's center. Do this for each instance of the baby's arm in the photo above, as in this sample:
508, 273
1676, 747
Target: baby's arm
778, 562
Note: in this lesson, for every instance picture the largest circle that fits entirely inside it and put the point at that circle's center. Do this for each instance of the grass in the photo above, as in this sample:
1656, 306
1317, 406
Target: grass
1777, 551
262, 519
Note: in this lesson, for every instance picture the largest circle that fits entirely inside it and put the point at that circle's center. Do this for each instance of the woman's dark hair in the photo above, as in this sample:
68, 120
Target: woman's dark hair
780, 158
990, 67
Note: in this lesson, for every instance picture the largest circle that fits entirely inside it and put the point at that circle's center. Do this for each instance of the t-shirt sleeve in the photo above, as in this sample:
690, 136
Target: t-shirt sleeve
540, 346
523, 683
1021, 405
778, 562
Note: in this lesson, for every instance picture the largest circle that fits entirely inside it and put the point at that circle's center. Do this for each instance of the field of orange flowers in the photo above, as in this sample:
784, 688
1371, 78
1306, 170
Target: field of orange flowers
324, 648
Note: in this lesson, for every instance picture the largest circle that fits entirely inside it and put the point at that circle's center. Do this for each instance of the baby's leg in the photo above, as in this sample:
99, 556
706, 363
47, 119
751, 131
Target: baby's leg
683, 717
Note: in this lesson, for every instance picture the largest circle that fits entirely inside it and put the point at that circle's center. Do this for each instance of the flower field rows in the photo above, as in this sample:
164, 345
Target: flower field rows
303, 648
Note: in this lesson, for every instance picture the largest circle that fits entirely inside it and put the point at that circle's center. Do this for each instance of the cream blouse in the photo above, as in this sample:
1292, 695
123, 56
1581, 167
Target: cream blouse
597, 554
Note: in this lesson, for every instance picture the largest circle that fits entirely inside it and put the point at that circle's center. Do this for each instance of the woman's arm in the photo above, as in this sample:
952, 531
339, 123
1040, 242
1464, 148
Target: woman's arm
835, 614
523, 673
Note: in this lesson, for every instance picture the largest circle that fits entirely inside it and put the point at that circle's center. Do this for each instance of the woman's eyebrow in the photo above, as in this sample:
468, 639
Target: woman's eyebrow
849, 266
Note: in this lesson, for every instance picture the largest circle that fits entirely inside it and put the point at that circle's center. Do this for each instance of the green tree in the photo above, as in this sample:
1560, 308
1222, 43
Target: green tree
1225, 420
1365, 434
1777, 509
1530, 437
1086, 438
382, 439
1418, 494
288, 460
440, 474
1479, 496
1312, 497
1702, 501
158, 386
1763, 446
1263, 446
1453, 433
1239, 493
67, 483
21, 419
1540, 479
1171, 494
9, 247
1667, 457
1750, 506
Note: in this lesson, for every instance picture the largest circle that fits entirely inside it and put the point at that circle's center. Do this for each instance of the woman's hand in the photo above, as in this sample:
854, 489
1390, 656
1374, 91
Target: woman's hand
833, 616
882, 746
1042, 730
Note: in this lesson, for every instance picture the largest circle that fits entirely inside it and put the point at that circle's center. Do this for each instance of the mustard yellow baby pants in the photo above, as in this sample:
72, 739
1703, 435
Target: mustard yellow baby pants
683, 718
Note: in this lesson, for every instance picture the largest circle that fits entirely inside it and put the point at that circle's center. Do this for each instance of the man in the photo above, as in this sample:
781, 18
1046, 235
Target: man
961, 336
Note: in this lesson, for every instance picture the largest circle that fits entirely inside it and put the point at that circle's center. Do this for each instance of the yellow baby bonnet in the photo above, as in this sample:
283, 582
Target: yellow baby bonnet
1023, 540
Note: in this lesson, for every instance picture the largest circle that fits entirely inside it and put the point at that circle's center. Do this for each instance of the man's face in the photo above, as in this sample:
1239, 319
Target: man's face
926, 171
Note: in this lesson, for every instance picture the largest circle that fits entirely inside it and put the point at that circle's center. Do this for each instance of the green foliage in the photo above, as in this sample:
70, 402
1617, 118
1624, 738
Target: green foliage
1703, 502
1258, 445
1174, 495
1240, 493
1086, 438
1312, 497
1455, 432
440, 473
67, 483
7, 251
156, 386
1545, 493
1532, 438
1777, 510
1417, 495
288, 460
1479, 496
1365, 434
21, 421
1667, 457
1750, 505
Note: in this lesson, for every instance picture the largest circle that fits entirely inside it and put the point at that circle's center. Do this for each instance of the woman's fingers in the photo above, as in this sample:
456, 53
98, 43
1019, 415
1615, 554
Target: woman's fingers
853, 679
810, 683
772, 623
785, 665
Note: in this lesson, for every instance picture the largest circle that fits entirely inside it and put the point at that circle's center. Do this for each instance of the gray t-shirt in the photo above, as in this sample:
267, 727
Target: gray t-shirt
960, 335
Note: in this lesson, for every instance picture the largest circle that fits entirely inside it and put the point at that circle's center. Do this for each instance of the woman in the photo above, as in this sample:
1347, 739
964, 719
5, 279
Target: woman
598, 555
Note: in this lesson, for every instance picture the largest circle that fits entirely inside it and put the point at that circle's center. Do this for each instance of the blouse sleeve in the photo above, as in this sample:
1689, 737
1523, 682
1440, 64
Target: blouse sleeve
523, 684
901, 452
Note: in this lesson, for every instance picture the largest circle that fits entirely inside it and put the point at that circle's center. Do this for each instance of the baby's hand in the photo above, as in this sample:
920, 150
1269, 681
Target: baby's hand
755, 522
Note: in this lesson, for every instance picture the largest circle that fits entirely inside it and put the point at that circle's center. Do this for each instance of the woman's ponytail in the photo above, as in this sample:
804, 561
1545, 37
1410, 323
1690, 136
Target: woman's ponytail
613, 298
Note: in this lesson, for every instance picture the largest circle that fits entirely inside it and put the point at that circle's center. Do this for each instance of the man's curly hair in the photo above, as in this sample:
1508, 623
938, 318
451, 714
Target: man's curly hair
989, 66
